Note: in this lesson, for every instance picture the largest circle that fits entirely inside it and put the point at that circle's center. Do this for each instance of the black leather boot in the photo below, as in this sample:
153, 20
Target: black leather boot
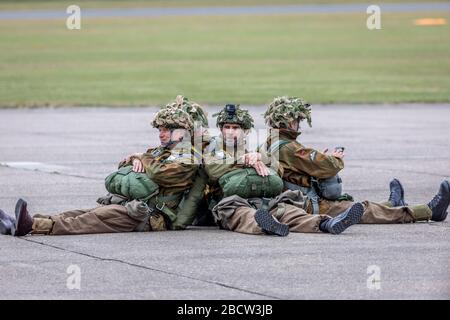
440, 202
24, 222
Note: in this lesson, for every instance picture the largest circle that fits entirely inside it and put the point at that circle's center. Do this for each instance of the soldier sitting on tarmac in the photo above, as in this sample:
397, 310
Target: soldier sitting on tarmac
169, 171
194, 210
315, 173
248, 196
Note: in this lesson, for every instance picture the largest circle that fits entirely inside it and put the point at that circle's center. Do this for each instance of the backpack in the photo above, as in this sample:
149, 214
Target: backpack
246, 183
130, 184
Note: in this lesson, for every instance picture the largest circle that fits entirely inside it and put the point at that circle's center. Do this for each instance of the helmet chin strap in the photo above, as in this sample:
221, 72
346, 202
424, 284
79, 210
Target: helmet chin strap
171, 142
288, 127
296, 131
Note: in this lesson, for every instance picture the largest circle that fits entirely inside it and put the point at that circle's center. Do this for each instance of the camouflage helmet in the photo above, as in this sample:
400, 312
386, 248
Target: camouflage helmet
234, 114
284, 109
195, 110
173, 118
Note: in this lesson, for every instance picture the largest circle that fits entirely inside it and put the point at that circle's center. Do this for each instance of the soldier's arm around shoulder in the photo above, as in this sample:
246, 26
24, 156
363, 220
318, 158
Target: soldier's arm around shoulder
128, 160
175, 173
271, 162
311, 161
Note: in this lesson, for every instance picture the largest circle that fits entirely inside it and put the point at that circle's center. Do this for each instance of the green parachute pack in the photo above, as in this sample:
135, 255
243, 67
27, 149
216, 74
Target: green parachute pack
246, 183
130, 184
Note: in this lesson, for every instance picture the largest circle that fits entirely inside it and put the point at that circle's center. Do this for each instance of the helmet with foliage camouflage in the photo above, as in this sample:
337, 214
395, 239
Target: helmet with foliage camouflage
193, 109
284, 109
173, 118
234, 114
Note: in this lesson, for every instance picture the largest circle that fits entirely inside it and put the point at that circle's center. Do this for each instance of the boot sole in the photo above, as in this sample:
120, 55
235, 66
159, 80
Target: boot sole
18, 208
352, 217
267, 222
20, 212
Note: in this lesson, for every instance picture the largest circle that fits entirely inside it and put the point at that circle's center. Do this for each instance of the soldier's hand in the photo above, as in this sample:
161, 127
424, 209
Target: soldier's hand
261, 169
250, 159
128, 158
138, 166
338, 154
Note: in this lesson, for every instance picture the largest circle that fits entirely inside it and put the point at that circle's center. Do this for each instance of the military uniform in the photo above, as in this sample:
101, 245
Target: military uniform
171, 167
194, 208
300, 163
238, 214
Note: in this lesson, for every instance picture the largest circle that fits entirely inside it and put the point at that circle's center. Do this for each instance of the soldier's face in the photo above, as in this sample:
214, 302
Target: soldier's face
232, 131
178, 135
294, 125
164, 135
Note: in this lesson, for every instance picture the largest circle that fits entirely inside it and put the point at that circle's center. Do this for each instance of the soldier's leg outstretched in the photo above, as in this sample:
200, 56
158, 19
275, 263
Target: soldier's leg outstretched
377, 213
103, 219
284, 218
300, 221
243, 221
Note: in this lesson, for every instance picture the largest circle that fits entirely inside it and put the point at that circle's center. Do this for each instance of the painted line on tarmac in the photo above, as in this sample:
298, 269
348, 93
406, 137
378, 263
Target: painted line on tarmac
171, 273
47, 168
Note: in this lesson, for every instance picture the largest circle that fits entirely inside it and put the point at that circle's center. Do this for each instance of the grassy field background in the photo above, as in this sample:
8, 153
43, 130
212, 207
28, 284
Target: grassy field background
244, 59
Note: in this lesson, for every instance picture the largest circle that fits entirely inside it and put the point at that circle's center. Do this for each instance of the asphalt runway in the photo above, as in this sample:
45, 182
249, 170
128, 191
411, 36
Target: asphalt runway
57, 159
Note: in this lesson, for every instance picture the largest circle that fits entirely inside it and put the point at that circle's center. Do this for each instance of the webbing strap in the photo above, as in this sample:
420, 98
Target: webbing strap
277, 145
314, 197
310, 194
160, 204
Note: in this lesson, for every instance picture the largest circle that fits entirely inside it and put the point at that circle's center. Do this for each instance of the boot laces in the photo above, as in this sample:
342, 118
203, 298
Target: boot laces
391, 195
393, 191
434, 202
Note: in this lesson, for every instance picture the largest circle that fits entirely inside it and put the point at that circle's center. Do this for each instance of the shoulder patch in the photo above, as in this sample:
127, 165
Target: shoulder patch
171, 158
156, 152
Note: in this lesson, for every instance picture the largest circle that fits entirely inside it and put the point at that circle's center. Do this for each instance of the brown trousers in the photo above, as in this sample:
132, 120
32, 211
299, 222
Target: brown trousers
243, 219
374, 213
104, 219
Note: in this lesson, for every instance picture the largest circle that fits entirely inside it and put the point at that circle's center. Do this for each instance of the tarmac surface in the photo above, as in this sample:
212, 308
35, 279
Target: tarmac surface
57, 160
